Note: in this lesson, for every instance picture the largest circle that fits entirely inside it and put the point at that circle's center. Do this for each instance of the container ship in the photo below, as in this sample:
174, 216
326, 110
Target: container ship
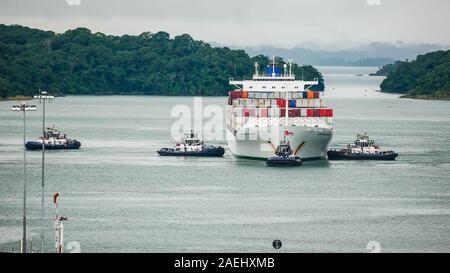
274, 106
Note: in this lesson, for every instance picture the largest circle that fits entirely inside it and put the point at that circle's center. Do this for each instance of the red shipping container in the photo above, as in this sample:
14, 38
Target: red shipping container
330, 113
310, 112
294, 113
316, 112
316, 95
235, 94
323, 112
281, 103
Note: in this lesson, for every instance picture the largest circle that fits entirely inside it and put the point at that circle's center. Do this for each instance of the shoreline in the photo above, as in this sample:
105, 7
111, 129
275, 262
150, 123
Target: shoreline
423, 97
415, 97
17, 98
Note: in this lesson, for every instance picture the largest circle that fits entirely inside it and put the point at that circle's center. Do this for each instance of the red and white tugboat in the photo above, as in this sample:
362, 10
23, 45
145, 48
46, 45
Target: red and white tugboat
53, 140
364, 148
191, 145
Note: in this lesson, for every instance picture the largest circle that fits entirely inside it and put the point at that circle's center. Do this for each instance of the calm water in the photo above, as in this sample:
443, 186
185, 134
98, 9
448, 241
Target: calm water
121, 197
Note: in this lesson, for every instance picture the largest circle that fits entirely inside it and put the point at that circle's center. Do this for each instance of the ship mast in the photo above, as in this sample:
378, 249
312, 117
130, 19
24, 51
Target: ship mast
273, 66
286, 118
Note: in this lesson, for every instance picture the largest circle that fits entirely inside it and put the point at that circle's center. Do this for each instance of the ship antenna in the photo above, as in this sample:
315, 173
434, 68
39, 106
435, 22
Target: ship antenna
256, 68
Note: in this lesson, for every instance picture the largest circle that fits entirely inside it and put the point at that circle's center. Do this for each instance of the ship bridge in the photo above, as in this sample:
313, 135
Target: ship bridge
273, 79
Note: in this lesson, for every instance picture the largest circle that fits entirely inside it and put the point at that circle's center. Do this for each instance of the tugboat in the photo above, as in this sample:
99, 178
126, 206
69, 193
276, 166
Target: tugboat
53, 140
284, 156
191, 145
364, 148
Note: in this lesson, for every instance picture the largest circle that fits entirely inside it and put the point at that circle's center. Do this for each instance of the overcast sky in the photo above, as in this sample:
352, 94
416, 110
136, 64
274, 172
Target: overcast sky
326, 23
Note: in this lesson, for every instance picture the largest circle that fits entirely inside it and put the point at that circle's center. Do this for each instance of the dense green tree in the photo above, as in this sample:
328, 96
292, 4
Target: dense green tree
81, 62
387, 69
428, 75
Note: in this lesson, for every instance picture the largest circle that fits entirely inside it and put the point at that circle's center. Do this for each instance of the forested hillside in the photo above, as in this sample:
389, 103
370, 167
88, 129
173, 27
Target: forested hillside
427, 76
81, 62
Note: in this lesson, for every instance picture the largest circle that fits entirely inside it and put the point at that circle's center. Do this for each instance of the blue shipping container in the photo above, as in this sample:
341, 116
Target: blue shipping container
269, 71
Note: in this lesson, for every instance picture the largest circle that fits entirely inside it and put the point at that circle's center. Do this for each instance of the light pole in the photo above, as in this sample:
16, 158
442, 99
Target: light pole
43, 97
23, 107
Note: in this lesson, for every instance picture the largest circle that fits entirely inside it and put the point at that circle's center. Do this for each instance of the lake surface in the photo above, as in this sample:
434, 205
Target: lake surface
120, 196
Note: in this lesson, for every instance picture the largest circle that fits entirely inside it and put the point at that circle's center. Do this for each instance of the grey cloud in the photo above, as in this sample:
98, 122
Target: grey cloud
246, 22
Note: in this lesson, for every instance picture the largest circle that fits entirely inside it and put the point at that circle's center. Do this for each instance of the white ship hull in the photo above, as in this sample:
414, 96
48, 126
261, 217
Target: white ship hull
308, 143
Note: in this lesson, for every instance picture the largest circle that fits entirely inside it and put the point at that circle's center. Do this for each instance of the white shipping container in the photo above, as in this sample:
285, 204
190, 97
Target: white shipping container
275, 112
303, 112
305, 103
313, 103
317, 103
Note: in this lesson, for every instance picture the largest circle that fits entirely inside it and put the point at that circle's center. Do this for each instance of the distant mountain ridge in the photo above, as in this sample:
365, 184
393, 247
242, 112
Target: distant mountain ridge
373, 54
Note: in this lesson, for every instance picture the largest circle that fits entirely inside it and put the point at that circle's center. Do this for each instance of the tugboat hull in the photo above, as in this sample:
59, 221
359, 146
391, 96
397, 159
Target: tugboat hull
33, 145
214, 152
344, 155
283, 162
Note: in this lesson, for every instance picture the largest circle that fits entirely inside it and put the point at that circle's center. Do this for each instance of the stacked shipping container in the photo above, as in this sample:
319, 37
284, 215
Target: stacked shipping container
273, 104
279, 112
